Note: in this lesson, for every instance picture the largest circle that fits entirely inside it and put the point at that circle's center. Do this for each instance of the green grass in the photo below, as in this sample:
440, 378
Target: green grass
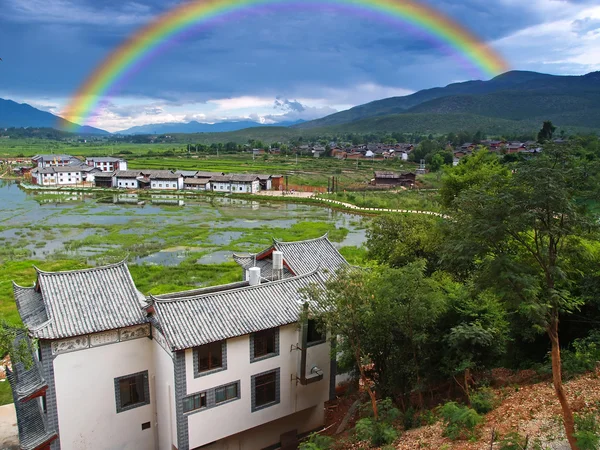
5, 393
409, 199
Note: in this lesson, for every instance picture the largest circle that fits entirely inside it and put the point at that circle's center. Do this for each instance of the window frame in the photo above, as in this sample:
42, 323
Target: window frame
224, 388
145, 390
200, 396
277, 386
200, 373
323, 337
254, 337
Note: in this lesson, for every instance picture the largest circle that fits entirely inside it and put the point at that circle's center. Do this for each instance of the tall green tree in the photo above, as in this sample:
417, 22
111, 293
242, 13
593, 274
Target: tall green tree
545, 134
522, 230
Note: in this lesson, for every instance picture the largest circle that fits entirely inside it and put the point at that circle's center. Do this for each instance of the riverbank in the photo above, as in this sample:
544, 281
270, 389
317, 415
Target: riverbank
280, 196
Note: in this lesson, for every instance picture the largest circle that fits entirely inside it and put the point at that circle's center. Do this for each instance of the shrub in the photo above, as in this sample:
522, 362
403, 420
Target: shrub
483, 400
513, 441
378, 432
587, 431
460, 421
583, 354
316, 442
408, 418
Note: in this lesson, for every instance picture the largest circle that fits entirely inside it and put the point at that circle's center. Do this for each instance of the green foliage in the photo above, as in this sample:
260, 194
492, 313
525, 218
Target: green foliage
378, 432
399, 239
483, 400
316, 441
583, 354
546, 132
587, 431
512, 441
460, 421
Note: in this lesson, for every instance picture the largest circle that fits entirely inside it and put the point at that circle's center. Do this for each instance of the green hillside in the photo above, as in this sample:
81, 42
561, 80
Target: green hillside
570, 101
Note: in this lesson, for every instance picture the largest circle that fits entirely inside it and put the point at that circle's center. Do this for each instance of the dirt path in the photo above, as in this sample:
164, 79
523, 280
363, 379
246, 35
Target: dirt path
9, 434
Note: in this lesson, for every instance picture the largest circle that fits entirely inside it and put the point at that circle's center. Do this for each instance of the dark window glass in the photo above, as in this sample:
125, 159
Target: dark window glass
132, 390
194, 402
264, 389
315, 333
224, 393
264, 342
210, 356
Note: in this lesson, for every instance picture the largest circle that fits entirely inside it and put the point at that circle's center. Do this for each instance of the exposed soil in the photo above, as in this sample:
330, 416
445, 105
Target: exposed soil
526, 407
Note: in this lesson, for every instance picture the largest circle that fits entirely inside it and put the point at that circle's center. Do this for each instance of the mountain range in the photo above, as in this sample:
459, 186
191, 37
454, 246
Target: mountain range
22, 115
514, 102
197, 127
515, 99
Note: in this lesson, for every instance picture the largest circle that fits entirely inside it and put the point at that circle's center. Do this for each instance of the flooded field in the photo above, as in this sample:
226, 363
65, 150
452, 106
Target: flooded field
169, 241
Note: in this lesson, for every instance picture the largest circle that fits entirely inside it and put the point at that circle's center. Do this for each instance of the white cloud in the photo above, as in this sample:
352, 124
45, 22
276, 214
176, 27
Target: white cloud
77, 12
556, 45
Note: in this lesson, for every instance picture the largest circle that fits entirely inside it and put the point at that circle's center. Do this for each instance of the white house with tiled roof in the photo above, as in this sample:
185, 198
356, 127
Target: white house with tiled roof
220, 367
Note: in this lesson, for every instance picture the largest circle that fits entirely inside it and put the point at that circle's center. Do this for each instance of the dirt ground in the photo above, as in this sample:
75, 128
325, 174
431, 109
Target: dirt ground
530, 409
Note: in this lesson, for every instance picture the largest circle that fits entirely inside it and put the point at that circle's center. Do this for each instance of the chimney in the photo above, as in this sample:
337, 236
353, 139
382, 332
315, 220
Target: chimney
254, 276
277, 265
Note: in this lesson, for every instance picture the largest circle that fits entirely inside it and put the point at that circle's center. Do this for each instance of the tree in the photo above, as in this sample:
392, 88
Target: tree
400, 239
346, 307
522, 230
545, 134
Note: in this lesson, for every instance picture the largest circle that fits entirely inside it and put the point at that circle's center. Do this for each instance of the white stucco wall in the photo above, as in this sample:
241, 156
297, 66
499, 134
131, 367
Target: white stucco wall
164, 184
164, 394
85, 393
231, 418
128, 183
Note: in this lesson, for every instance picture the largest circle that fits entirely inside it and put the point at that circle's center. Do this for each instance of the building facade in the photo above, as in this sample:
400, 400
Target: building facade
69, 175
106, 163
230, 366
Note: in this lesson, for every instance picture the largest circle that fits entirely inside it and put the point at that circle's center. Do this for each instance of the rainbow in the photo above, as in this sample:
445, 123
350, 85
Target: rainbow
174, 24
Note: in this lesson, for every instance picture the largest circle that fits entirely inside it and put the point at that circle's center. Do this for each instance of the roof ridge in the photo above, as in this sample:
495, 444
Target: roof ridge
89, 269
324, 237
270, 283
15, 285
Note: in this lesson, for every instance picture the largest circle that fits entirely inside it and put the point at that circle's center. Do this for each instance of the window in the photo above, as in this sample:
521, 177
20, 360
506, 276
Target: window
194, 402
210, 356
264, 344
316, 335
265, 389
225, 393
132, 391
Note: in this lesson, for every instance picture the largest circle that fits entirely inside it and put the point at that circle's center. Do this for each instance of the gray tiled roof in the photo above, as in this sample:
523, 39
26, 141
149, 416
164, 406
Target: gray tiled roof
312, 254
201, 174
265, 265
301, 257
128, 173
192, 321
221, 178
196, 181
51, 158
32, 426
81, 301
163, 175
187, 173
64, 169
241, 178
104, 159
26, 381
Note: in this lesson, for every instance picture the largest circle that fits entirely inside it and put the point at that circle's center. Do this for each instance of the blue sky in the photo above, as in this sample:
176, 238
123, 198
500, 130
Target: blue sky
274, 66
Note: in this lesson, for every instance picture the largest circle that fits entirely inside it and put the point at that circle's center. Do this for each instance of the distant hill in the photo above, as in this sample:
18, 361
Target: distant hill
569, 101
22, 115
197, 127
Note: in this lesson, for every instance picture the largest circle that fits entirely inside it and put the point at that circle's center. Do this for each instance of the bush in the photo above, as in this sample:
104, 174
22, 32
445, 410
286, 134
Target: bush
316, 442
513, 441
460, 421
587, 431
378, 432
483, 400
583, 354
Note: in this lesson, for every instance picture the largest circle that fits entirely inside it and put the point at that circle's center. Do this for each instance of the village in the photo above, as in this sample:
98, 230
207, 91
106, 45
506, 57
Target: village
110, 172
